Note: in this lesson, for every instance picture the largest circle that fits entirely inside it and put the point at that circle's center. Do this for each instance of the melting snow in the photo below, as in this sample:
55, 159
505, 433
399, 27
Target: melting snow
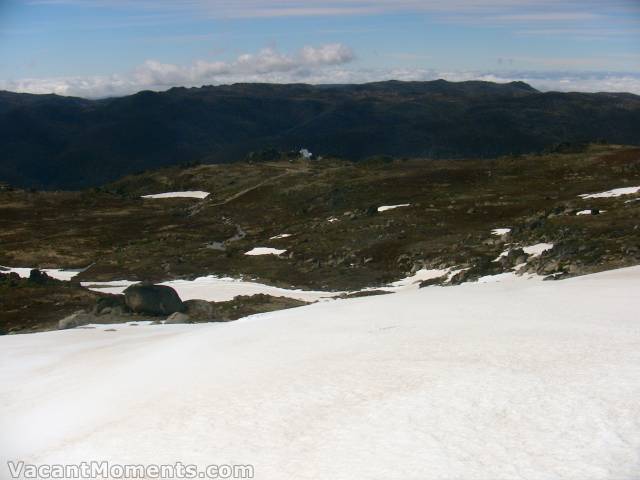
282, 235
115, 287
478, 381
532, 250
186, 194
413, 282
616, 192
56, 273
588, 212
503, 254
537, 249
384, 208
265, 251
500, 231
217, 289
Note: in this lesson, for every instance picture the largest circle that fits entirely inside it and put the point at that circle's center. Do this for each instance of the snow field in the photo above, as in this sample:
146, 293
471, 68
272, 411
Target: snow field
511, 379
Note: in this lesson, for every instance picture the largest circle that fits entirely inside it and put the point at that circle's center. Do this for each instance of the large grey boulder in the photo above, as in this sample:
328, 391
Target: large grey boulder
153, 299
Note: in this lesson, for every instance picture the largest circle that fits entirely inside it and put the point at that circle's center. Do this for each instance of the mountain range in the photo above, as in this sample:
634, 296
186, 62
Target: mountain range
55, 142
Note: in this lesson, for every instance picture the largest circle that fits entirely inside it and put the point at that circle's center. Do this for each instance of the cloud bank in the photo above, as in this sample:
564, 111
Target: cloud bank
325, 64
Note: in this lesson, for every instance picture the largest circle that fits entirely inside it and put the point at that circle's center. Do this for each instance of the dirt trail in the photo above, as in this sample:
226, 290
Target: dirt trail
258, 185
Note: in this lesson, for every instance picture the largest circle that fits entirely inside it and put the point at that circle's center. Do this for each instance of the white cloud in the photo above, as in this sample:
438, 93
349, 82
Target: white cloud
332, 54
267, 65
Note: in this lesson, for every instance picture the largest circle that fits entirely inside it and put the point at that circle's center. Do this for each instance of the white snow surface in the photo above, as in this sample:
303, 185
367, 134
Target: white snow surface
384, 208
500, 231
186, 194
504, 380
265, 251
282, 235
616, 192
537, 249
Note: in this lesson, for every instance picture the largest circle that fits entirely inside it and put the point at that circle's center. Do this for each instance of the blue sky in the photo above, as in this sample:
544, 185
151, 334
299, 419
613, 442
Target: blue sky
99, 48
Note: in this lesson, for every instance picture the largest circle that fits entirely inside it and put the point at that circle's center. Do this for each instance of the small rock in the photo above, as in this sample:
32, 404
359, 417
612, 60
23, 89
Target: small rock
75, 320
114, 305
178, 317
39, 277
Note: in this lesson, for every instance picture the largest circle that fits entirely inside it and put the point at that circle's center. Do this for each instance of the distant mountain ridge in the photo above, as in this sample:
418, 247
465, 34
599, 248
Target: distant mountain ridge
52, 142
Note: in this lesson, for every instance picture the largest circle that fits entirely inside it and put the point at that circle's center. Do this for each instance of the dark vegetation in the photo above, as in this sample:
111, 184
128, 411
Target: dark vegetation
454, 206
60, 142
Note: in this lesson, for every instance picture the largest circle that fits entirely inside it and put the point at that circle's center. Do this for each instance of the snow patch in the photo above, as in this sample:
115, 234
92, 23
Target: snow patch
500, 231
503, 254
588, 212
413, 281
282, 235
537, 249
186, 194
616, 192
265, 251
384, 208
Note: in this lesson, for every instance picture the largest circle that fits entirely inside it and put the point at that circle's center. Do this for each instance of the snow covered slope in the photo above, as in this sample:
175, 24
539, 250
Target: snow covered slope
503, 380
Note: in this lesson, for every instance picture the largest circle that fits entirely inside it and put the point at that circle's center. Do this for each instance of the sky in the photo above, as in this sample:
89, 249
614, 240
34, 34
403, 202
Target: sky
101, 48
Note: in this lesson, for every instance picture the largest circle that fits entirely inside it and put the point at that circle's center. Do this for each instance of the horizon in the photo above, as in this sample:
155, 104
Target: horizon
328, 85
110, 48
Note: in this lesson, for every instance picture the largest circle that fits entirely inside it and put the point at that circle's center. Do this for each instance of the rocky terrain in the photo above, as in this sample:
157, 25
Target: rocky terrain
329, 225
41, 303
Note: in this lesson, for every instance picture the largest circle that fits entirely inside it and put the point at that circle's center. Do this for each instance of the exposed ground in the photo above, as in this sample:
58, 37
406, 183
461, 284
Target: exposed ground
29, 306
454, 205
